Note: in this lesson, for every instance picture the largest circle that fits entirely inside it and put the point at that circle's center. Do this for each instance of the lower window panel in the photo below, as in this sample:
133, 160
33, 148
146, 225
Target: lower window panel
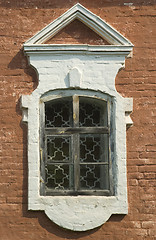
59, 177
94, 177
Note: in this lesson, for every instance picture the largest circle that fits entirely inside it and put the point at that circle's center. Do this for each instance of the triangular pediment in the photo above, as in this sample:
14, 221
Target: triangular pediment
107, 34
77, 33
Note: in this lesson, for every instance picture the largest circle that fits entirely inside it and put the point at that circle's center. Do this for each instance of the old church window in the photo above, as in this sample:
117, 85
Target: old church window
77, 124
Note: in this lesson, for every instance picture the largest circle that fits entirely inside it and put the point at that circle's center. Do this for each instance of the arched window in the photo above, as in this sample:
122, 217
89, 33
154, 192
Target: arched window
75, 145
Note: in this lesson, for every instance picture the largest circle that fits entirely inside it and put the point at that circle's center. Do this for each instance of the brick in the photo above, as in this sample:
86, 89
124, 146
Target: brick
151, 148
150, 183
133, 155
147, 155
133, 182
148, 224
137, 232
136, 175
152, 232
140, 162
144, 216
150, 175
132, 169
2, 200
143, 169
14, 200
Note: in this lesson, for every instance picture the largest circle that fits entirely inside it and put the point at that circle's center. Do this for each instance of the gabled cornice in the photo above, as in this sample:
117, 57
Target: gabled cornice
91, 20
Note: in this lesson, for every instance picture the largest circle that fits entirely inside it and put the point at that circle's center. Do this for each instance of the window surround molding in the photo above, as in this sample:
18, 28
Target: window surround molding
89, 71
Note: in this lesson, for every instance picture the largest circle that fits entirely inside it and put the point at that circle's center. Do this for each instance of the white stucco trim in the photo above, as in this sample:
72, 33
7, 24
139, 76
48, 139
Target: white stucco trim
78, 213
89, 71
85, 49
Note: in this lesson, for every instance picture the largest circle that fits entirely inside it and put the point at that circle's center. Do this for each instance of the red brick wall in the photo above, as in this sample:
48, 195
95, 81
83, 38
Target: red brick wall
77, 33
20, 20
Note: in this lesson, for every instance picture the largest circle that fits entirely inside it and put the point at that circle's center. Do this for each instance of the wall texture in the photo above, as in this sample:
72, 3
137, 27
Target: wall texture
20, 20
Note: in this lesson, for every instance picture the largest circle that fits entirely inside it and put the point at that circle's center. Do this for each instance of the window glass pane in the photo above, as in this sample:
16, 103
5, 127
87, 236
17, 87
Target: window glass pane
58, 149
59, 176
58, 113
93, 148
94, 177
90, 113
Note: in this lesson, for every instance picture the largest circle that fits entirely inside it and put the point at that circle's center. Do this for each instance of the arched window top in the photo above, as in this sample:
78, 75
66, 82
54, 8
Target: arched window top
95, 96
92, 112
